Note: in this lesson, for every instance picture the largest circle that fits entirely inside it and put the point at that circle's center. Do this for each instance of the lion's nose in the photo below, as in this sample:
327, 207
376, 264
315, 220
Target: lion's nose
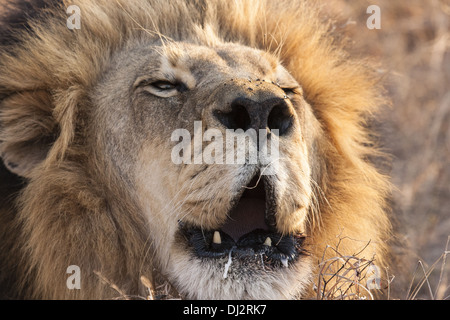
272, 114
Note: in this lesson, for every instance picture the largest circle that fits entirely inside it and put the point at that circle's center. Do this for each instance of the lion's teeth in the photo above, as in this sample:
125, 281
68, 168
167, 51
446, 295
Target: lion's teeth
268, 242
216, 238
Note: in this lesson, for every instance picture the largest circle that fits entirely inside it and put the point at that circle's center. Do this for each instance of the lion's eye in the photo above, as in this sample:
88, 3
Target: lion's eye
163, 85
288, 90
161, 88
168, 86
291, 91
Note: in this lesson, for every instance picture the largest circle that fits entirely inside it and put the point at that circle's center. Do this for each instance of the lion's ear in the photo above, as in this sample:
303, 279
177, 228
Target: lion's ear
27, 130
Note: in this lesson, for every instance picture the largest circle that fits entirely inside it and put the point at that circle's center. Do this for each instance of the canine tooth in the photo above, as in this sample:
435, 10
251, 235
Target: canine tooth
268, 242
216, 238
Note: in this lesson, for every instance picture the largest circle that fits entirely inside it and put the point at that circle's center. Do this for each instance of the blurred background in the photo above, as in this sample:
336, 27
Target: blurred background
413, 53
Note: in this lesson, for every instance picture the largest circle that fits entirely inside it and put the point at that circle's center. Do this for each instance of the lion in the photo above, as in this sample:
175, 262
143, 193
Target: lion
87, 123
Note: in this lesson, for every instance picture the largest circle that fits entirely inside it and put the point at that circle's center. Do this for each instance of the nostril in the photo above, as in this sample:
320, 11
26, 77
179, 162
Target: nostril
273, 114
237, 118
280, 118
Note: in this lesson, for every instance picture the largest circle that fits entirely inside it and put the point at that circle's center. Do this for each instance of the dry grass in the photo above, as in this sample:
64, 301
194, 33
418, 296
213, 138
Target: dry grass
442, 288
163, 291
413, 50
356, 278
344, 277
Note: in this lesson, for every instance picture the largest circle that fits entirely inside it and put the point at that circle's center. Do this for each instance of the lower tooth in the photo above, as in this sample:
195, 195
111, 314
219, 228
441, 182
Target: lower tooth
268, 242
216, 238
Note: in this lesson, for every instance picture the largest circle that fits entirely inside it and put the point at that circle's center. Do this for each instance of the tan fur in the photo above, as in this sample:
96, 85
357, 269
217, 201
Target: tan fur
78, 209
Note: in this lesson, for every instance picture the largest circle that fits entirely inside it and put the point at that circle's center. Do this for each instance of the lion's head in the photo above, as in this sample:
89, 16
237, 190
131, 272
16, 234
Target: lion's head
134, 136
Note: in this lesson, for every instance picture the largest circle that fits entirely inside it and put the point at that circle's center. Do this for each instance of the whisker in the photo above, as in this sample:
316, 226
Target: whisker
261, 174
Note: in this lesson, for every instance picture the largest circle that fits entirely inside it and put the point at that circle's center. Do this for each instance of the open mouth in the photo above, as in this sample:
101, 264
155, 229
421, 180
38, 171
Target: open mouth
249, 231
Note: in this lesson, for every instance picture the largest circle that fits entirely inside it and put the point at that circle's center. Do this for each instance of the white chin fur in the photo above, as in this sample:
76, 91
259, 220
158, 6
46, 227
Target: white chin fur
203, 279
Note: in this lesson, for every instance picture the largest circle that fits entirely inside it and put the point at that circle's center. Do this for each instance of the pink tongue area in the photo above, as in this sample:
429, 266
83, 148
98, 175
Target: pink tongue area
246, 217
